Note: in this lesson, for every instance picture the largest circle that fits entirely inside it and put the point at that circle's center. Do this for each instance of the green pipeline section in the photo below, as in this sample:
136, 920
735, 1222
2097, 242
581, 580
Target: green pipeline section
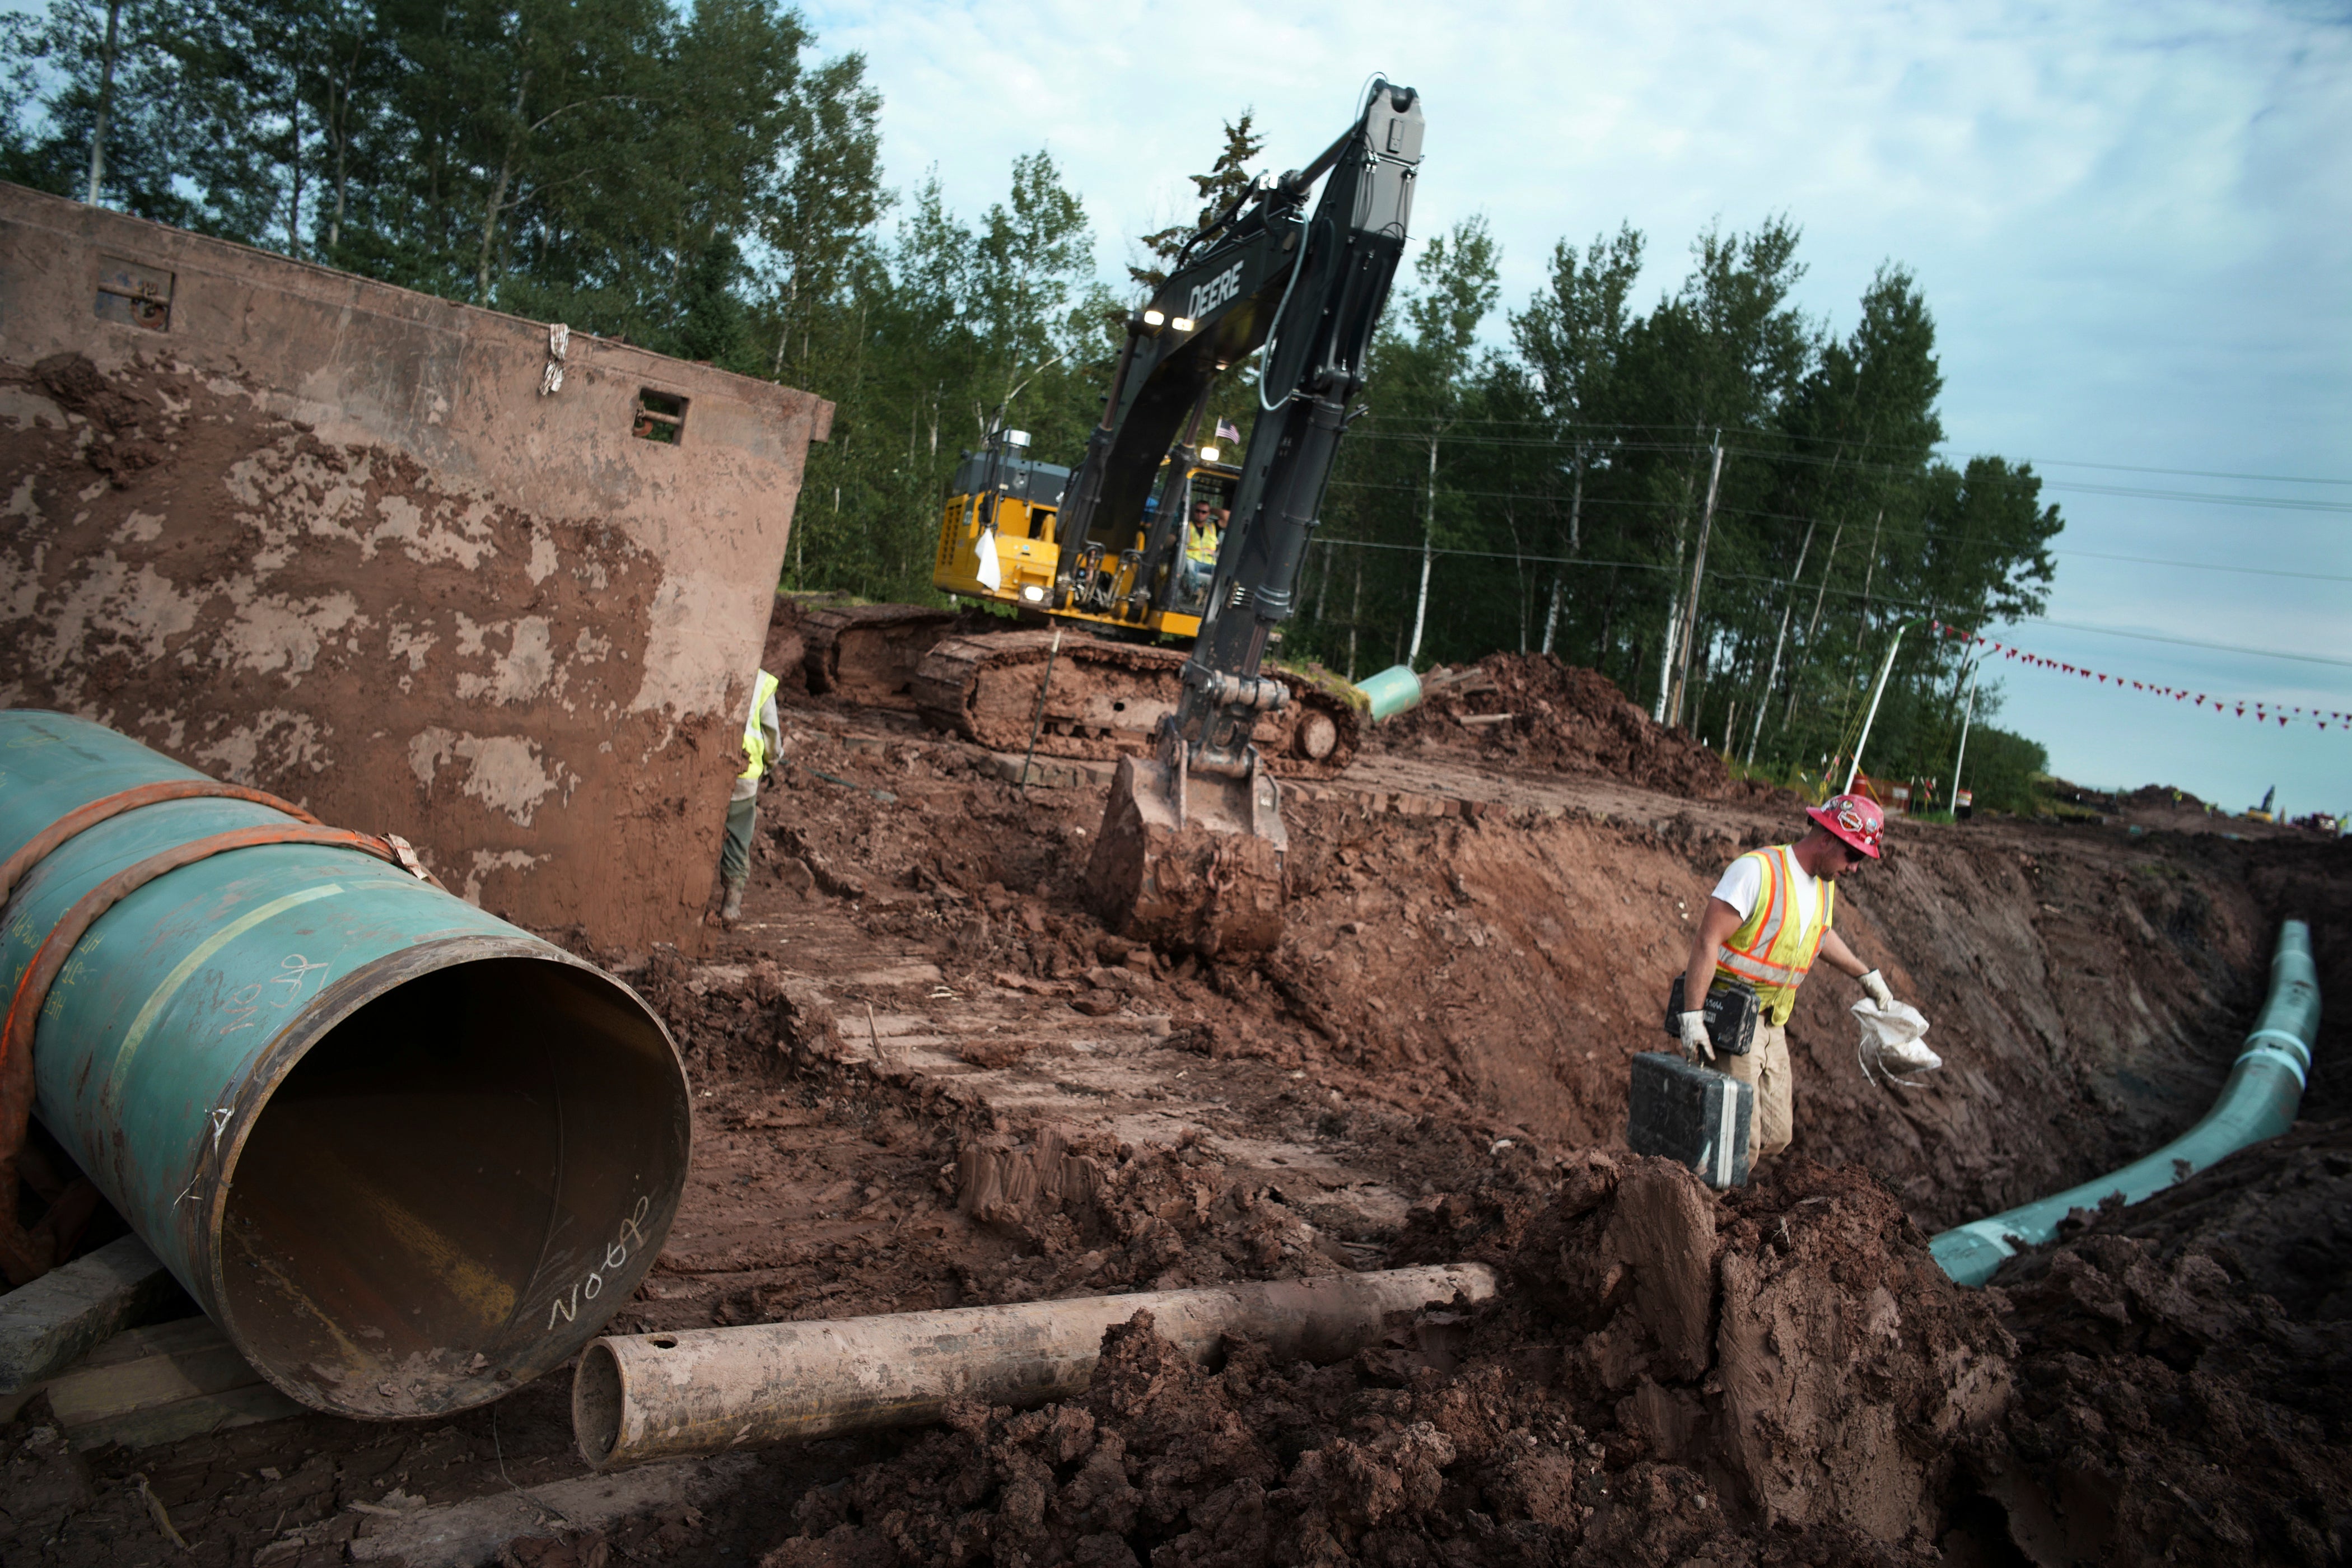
406, 1155
1394, 690
2259, 1101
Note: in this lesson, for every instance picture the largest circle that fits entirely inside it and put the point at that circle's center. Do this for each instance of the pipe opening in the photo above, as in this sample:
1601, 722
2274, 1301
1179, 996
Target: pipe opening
596, 1402
461, 1179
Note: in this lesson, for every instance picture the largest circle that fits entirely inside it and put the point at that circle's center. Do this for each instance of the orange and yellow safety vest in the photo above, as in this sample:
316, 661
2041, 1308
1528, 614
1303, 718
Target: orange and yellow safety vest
1771, 952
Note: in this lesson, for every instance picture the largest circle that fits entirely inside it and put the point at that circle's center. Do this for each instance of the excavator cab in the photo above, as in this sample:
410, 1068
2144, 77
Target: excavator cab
996, 531
999, 541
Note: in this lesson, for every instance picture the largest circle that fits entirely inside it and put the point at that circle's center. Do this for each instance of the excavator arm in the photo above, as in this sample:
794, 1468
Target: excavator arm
1192, 849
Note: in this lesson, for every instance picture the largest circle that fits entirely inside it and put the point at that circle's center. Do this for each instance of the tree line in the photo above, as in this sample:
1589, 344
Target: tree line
1725, 505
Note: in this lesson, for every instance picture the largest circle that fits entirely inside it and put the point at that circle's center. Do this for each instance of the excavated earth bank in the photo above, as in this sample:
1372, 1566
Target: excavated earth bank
927, 1077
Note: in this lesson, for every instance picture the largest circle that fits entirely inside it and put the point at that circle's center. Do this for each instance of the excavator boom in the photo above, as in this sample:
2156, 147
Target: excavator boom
1192, 848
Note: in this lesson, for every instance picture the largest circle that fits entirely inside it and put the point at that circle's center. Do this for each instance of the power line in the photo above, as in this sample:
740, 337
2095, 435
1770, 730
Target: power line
2076, 487
1843, 593
1858, 445
2189, 473
1892, 532
2281, 503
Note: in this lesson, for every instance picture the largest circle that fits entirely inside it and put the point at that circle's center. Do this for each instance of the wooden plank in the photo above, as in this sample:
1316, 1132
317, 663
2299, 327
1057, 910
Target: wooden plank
94, 1394
244, 1407
49, 1325
469, 1535
159, 1385
195, 1334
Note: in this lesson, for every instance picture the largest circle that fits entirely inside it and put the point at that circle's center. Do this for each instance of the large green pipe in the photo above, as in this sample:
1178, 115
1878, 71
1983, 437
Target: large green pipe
406, 1154
1393, 692
2259, 1101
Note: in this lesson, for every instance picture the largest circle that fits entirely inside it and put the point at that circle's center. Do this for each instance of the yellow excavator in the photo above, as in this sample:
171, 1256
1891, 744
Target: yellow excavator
1106, 561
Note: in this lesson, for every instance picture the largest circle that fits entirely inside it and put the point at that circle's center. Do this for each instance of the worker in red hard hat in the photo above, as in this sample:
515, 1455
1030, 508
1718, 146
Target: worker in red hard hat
1763, 926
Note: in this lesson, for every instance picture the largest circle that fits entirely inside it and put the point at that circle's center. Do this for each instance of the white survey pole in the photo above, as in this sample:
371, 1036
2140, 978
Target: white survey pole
1967, 713
1885, 667
1689, 637
1428, 547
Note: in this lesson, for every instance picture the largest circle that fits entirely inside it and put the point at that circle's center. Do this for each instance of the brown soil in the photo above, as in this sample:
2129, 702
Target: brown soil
927, 1077
2184, 1371
1531, 711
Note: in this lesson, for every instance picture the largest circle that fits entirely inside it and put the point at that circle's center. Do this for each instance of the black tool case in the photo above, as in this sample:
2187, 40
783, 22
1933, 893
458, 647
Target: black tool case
1692, 1114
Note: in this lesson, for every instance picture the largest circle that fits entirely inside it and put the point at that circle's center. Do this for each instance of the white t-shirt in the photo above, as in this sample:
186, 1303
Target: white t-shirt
1743, 884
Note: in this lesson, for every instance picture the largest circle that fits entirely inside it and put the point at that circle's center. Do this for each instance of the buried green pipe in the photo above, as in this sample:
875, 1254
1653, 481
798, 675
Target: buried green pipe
2258, 1102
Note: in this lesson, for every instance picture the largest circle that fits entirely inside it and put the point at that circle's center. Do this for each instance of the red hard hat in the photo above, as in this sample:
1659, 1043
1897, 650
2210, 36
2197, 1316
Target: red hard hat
1854, 818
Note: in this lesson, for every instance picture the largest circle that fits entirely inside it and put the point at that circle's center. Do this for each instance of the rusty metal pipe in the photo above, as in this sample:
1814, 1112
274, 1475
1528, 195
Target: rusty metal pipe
668, 1395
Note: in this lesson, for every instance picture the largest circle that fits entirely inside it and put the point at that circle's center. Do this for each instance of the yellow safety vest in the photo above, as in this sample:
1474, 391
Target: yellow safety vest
755, 740
1770, 952
1201, 544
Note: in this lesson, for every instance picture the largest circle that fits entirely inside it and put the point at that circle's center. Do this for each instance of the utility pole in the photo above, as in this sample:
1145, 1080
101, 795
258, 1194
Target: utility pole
1575, 515
1764, 698
1967, 713
1428, 547
1813, 627
1877, 690
105, 101
1689, 636
1667, 649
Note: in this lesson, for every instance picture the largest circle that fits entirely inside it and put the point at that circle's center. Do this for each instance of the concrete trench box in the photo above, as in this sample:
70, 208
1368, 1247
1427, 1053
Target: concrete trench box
338, 540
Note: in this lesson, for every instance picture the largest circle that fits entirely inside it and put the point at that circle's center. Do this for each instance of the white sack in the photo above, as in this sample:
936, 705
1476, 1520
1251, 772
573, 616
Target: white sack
1891, 1037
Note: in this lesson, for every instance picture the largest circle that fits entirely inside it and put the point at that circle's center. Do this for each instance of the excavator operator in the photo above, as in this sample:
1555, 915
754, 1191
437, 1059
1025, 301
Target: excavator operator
1203, 534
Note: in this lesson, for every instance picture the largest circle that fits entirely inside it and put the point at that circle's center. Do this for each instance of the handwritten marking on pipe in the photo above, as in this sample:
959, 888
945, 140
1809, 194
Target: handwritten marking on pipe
244, 1002
297, 970
567, 1308
197, 957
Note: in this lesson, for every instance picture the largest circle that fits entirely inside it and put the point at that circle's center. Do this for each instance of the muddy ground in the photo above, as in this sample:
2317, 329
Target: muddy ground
927, 1076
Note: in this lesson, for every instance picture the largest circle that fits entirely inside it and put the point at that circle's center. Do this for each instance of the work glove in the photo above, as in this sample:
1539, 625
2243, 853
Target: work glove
1875, 983
1694, 1040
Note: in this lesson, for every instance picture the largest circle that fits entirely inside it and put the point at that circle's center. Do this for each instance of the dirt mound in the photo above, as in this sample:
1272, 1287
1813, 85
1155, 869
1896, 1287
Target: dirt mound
1530, 711
1774, 1378
2185, 1372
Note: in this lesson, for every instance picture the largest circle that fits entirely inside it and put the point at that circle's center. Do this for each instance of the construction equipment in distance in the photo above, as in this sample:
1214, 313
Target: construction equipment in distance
1192, 850
1192, 847
1101, 551
1108, 693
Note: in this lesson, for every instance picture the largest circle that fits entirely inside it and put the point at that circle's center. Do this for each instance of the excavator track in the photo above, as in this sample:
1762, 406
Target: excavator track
869, 652
1105, 700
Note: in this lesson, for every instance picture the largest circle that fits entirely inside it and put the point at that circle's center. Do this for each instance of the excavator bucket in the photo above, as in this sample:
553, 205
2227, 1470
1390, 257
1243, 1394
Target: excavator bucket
1190, 861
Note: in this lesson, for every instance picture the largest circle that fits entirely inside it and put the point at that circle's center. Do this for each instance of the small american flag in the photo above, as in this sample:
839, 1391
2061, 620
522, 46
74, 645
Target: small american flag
1227, 431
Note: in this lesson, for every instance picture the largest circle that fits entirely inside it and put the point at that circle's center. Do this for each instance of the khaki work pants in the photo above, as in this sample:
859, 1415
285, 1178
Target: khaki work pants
1766, 1066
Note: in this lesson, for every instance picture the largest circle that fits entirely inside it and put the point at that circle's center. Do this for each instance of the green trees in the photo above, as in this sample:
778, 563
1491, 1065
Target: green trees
1559, 495
671, 177
1725, 505
933, 336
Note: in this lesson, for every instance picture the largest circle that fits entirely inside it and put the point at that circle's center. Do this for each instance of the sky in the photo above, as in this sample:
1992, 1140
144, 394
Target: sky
2133, 222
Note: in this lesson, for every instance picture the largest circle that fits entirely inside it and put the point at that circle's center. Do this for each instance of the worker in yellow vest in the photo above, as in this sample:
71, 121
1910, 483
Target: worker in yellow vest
763, 744
1203, 535
1767, 921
